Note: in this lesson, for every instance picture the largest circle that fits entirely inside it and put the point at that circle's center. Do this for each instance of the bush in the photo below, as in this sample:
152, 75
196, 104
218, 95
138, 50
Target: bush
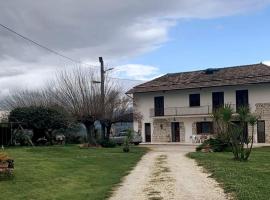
127, 141
24, 137
107, 143
75, 134
215, 145
41, 120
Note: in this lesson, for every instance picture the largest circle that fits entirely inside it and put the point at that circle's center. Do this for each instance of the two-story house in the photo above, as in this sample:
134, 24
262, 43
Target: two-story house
177, 106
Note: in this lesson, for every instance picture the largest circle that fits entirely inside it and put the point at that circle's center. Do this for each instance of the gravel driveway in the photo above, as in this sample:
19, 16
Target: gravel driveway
166, 173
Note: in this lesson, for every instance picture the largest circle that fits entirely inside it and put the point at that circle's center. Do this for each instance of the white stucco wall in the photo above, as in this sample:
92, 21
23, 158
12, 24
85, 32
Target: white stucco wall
259, 93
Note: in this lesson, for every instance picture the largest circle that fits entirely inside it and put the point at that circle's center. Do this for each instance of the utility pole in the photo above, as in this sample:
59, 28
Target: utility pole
102, 89
102, 93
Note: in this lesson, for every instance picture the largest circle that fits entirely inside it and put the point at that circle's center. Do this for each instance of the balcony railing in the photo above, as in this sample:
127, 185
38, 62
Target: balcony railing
183, 111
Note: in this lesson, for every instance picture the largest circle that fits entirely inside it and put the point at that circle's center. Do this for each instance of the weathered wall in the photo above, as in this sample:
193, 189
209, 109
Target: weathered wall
263, 109
162, 131
180, 98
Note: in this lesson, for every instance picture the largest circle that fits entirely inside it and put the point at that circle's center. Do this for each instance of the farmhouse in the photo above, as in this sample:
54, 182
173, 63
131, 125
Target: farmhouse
177, 107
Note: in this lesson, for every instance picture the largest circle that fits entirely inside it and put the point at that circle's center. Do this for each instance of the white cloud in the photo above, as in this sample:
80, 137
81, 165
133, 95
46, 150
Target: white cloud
267, 62
85, 30
136, 71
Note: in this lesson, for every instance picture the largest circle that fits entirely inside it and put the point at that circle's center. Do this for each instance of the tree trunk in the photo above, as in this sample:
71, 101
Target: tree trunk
103, 132
90, 133
108, 131
251, 145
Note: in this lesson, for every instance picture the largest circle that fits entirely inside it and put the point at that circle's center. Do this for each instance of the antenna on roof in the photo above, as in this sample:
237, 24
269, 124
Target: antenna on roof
210, 70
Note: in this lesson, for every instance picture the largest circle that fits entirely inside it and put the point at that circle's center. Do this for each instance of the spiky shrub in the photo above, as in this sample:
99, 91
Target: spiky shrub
127, 141
222, 118
213, 145
242, 144
233, 133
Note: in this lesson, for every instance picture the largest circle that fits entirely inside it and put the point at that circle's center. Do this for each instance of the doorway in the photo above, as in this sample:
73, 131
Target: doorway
261, 131
147, 132
175, 131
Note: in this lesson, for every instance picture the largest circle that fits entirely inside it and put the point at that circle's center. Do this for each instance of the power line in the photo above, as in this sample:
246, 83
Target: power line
42, 46
126, 79
55, 52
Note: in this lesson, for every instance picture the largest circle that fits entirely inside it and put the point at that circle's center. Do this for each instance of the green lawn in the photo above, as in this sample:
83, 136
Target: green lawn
246, 180
67, 172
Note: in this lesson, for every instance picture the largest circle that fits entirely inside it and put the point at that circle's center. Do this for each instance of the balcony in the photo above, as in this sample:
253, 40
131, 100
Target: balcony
185, 111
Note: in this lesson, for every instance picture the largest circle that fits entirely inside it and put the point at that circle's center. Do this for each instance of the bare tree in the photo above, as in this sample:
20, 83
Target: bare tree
25, 98
76, 92
117, 108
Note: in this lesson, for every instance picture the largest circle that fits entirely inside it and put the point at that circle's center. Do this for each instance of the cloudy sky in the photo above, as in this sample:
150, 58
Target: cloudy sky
140, 39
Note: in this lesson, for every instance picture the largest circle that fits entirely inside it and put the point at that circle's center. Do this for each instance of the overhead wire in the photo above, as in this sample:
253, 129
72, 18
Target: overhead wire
58, 53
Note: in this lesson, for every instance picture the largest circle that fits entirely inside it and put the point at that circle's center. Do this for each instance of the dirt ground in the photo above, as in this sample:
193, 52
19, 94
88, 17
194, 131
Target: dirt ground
166, 173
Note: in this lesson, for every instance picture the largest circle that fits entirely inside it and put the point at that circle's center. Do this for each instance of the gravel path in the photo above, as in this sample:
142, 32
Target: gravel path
166, 173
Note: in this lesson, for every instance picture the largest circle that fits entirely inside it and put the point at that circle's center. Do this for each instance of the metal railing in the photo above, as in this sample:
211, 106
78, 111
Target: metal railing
182, 111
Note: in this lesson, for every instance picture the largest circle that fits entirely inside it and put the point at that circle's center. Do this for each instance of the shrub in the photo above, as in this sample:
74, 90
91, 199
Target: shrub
215, 145
75, 134
127, 141
41, 120
24, 137
107, 143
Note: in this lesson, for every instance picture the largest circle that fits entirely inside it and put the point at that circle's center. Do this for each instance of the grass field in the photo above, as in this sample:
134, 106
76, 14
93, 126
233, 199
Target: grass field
67, 172
246, 180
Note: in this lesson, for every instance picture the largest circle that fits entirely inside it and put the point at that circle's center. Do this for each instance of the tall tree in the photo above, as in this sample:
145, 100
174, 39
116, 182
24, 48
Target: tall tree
76, 92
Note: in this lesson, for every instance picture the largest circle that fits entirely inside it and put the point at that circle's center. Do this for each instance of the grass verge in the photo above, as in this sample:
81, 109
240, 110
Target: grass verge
67, 172
245, 180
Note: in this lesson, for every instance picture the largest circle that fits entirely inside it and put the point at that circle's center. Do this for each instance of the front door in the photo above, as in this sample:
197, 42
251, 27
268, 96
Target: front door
261, 131
147, 131
175, 132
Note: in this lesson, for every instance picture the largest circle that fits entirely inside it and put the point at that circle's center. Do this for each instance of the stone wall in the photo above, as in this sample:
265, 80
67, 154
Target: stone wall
194, 128
182, 132
162, 130
263, 109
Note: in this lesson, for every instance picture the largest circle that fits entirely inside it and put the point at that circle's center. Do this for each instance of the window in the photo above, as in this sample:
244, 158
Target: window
194, 100
241, 98
217, 99
204, 128
159, 106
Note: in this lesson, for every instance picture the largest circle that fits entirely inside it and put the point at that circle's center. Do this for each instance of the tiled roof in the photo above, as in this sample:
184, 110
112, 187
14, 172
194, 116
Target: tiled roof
238, 75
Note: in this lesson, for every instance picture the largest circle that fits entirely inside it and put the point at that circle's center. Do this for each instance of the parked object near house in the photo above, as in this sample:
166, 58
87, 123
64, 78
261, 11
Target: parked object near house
120, 137
177, 107
120, 126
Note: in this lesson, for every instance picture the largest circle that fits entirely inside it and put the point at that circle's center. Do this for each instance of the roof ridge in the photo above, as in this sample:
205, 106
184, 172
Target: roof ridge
234, 75
219, 68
